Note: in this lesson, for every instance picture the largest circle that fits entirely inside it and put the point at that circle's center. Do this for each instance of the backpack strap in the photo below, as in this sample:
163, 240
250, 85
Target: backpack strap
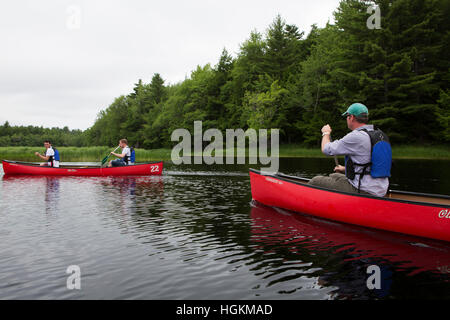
364, 165
126, 158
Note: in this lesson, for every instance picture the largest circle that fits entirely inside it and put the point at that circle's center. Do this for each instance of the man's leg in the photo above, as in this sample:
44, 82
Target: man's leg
120, 163
117, 163
335, 181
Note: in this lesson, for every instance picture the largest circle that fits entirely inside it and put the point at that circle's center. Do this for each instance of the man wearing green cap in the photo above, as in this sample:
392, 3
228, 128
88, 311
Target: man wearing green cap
356, 176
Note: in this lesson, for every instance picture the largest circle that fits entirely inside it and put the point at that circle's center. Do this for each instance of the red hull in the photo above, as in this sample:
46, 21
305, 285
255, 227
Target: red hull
147, 169
409, 217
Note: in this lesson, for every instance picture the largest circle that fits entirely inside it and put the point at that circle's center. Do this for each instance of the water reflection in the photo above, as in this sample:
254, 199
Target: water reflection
52, 195
332, 246
49, 185
131, 186
192, 234
126, 191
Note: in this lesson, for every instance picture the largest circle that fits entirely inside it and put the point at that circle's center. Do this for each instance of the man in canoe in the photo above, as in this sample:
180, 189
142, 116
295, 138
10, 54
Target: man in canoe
124, 157
368, 156
51, 155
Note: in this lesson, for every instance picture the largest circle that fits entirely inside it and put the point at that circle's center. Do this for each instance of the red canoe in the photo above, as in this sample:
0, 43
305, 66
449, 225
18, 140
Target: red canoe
418, 214
23, 168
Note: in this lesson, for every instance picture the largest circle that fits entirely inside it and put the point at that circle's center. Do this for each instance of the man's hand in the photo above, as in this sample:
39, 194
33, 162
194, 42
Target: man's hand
36, 153
325, 137
326, 128
339, 169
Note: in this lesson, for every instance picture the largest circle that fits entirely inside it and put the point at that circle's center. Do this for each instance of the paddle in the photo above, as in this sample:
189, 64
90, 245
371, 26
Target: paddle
335, 157
106, 158
336, 160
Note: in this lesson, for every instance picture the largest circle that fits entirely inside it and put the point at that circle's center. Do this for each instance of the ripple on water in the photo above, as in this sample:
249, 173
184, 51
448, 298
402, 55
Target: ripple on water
192, 233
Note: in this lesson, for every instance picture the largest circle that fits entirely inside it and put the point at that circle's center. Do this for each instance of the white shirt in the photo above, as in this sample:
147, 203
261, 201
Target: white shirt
126, 151
356, 144
51, 153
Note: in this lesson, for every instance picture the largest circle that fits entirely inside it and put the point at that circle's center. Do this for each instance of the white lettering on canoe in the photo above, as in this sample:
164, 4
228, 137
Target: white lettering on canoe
71, 170
274, 180
444, 214
154, 169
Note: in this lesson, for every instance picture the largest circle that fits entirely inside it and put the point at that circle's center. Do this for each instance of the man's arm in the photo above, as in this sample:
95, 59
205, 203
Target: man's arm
119, 155
326, 138
41, 156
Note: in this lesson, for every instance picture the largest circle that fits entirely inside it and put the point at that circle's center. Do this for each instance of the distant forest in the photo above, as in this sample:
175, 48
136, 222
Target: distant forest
33, 136
285, 79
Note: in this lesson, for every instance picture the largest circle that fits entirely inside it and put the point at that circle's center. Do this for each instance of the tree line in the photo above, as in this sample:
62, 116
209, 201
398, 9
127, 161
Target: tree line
285, 79
34, 136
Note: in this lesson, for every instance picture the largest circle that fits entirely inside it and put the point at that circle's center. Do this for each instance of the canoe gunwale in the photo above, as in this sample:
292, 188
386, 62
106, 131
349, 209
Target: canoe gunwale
296, 180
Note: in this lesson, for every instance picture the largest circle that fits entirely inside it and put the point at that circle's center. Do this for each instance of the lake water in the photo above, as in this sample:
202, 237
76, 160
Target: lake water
194, 233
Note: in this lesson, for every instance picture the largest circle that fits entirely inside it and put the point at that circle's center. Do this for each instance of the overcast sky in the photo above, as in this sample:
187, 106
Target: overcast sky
61, 62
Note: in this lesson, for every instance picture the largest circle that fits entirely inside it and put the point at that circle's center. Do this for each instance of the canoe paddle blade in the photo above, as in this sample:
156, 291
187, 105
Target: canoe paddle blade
106, 158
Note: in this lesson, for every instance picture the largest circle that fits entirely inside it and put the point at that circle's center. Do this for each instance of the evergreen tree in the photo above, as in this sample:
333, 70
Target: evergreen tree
280, 80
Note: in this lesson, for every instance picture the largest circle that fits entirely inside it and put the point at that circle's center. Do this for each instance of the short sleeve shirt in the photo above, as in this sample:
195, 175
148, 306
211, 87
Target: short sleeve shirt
50, 152
126, 151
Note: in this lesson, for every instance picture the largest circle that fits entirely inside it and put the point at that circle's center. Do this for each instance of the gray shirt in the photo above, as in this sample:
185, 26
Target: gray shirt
356, 144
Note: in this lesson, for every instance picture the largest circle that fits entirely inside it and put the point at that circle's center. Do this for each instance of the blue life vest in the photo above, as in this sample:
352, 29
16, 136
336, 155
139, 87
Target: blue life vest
133, 155
381, 158
56, 154
131, 158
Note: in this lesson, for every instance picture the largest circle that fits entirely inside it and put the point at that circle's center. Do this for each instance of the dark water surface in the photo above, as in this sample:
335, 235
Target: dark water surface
193, 233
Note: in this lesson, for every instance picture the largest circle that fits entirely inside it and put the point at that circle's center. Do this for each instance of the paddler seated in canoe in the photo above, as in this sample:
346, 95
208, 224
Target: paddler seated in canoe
368, 156
124, 157
51, 155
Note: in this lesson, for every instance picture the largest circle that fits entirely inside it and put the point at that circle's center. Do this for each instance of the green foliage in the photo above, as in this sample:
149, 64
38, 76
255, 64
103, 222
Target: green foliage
35, 136
79, 154
263, 109
96, 154
296, 83
443, 116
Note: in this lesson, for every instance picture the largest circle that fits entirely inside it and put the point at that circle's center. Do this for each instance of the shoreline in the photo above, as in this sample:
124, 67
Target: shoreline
80, 154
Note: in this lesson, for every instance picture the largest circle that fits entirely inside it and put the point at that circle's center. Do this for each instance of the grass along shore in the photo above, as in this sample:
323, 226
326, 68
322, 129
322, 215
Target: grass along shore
94, 154
79, 154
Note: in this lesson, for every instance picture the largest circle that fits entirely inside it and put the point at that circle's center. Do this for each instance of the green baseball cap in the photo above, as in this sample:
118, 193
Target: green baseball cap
356, 109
